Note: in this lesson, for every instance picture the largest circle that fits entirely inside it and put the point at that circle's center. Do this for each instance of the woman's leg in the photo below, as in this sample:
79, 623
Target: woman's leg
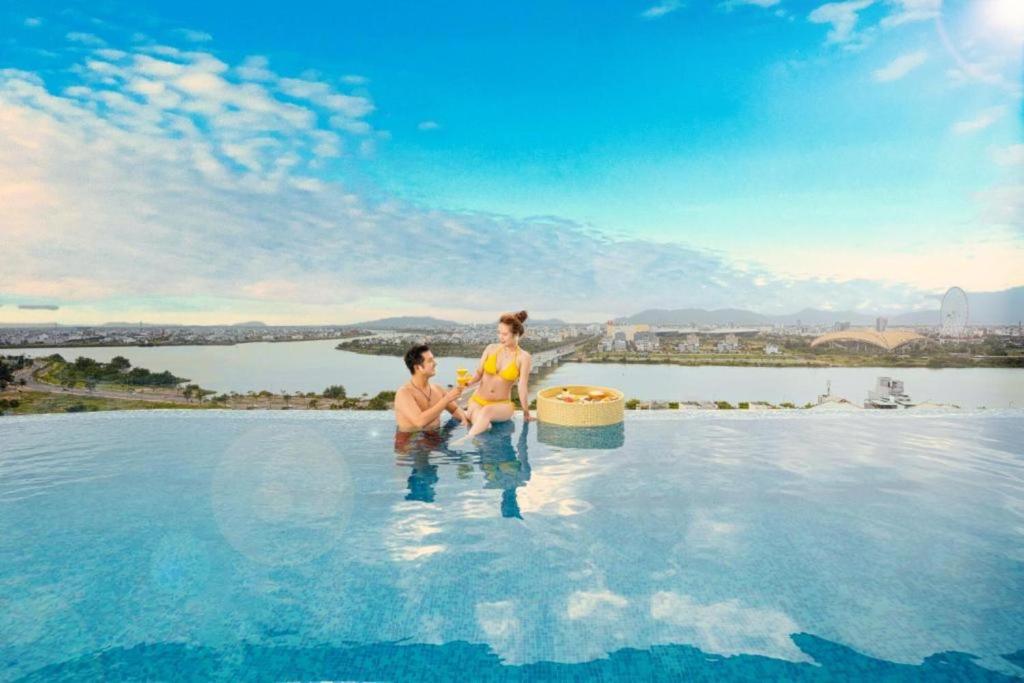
495, 412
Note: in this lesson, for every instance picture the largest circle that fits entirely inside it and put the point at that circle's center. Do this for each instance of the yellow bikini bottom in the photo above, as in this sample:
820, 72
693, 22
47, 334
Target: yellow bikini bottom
485, 402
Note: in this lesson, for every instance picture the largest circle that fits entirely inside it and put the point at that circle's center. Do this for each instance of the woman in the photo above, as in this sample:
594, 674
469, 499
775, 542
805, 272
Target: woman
501, 365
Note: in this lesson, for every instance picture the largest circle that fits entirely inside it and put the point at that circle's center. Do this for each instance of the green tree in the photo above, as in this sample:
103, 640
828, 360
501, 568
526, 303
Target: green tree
119, 363
335, 391
381, 401
6, 376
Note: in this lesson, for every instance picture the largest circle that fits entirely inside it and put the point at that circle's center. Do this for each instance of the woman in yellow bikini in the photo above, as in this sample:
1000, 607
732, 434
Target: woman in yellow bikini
501, 365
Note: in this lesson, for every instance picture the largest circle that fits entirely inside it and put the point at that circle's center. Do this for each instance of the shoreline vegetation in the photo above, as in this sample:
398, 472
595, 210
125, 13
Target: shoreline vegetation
54, 385
377, 346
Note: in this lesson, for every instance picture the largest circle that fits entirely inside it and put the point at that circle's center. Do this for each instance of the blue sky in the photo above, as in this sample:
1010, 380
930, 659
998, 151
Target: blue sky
321, 162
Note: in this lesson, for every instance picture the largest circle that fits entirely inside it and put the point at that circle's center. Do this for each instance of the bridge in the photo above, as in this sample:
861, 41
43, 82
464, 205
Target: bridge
543, 359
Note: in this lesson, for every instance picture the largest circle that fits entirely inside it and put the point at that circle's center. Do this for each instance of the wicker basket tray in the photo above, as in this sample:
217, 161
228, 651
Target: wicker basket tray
554, 411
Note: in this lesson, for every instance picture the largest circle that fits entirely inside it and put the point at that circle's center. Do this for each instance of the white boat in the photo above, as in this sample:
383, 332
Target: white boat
888, 394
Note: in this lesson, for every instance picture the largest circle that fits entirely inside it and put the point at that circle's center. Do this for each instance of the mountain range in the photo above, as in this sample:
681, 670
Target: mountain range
985, 308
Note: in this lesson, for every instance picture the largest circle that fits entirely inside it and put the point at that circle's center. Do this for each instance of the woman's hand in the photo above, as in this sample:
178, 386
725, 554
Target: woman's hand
527, 417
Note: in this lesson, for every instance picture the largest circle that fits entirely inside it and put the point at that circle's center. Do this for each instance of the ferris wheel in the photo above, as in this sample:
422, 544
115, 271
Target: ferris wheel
953, 314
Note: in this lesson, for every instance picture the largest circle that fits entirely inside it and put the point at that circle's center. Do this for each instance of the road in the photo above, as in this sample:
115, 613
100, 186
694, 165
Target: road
32, 384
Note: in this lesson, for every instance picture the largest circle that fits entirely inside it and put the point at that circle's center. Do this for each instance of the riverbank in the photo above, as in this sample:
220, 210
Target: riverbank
888, 361
377, 347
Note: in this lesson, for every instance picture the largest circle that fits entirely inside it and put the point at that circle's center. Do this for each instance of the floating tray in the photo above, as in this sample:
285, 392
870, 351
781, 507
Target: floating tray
555, 411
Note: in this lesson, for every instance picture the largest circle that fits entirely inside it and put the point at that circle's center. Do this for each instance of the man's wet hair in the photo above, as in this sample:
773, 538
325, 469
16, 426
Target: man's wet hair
414, 357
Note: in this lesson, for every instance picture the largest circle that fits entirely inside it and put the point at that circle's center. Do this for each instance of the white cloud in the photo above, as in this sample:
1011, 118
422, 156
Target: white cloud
428, 125
255, 69
1013, 155
355, 79
660, 10
85, 38
194, 36
907, 11
111, 55
1004, 206
982, 121
757, 3
33, 22
900, 67
841, 15
189, 179
321, 93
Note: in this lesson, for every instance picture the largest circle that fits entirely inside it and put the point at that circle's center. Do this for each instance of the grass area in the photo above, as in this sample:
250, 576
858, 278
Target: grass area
38, 402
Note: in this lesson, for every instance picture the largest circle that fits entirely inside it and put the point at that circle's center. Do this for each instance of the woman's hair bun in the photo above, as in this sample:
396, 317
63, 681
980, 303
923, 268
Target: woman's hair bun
522, 316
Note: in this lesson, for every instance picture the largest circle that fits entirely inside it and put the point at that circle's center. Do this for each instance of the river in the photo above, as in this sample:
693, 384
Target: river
313, 365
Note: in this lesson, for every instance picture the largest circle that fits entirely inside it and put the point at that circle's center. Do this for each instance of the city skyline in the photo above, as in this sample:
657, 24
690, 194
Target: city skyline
316, 163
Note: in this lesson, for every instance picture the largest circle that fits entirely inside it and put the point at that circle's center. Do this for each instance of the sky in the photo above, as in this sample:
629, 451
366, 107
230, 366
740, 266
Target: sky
320, 162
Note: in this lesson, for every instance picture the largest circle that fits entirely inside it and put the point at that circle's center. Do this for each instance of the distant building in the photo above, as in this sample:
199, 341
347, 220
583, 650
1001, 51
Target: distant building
630, 331
841, 327
881, 324
731, 344
866, 339
646, 342
691, 345
771, 349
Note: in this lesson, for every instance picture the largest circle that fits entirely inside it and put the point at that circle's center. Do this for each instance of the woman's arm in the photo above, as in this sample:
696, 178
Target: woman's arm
524, 386
479, 368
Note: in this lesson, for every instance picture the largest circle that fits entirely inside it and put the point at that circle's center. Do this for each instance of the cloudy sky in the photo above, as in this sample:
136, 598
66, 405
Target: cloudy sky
317, 162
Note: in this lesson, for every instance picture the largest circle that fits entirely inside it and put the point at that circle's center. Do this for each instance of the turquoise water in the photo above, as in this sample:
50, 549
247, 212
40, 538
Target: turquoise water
270, 546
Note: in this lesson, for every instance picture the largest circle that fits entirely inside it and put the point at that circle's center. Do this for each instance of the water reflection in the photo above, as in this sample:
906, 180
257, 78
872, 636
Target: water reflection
414, 450
607, 437
505, 466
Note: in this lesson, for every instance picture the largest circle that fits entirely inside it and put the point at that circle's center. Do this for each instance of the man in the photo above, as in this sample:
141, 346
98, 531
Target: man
419, 404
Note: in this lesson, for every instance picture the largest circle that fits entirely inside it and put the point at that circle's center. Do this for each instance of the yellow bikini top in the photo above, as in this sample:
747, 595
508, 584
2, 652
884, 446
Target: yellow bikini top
509, 373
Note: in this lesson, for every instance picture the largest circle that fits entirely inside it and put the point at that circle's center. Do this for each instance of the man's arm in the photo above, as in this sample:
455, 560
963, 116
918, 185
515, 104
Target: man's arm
407, 408
458, 413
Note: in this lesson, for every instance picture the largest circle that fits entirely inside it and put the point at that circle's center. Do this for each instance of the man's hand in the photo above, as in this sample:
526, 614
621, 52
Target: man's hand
454, 393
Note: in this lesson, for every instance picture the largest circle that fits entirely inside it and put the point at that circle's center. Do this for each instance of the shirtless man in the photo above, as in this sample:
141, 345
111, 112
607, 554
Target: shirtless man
419, 404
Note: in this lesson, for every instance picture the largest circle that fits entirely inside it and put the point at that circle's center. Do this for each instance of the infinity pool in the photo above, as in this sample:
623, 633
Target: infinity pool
297, 546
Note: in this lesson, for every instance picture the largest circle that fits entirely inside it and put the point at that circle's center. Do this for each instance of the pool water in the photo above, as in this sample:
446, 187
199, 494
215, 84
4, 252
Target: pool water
296, 546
